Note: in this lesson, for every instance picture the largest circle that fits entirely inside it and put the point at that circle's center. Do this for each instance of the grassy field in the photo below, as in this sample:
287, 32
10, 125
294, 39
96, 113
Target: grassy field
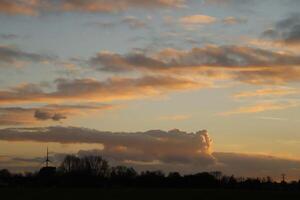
153, 194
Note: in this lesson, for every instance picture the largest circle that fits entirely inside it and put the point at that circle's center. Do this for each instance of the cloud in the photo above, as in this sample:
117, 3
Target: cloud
8, 36
286, 31
98, 91
11, 55
242, 63
276, 91
231, 2
252, 165
174, 117
197, 19
262, 107
46, 115
134, 22
174, 150
35, 7
234, 20
13, 116
216, 56
14, 7
173, 146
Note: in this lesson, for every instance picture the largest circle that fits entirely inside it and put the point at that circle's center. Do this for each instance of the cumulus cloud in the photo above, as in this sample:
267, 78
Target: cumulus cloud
174, 150
94, 90
12, 116
173, 146
11, 55
286, 31
242, 63
35, 7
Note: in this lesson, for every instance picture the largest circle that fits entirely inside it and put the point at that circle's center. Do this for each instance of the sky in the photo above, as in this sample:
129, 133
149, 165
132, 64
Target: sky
185, 85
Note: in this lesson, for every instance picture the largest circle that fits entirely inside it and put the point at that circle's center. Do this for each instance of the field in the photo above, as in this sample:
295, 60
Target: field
87, 194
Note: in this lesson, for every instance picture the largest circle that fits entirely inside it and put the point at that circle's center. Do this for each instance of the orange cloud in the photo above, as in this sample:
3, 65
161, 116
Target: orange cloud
23, 7
174, 117
261, 107
197, 19
98, 91
279, 91
233, 20
34, 7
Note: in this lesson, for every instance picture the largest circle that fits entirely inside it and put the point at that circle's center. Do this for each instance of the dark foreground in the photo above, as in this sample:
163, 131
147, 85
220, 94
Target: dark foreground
153, 194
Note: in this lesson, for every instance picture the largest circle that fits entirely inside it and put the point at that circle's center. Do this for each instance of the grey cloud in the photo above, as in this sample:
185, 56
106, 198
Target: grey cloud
12, 55
10, 36
46, 115
257, 165
134, 22
173, 146
173, 150
222, 56
31, 115
242, 63
286, 31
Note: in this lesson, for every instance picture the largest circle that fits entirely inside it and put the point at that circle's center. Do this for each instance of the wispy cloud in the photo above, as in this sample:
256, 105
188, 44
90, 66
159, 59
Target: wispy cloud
272, 118
35, 7
197, 19
174, 117
275, 91
261, 107
17, 57
99, 91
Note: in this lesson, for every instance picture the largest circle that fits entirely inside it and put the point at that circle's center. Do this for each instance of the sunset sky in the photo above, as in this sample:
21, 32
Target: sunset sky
187, 85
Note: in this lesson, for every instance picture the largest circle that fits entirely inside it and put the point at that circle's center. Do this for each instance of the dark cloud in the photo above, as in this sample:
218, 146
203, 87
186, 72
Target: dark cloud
10, 116
247, 64
213, 56
286, 31
11, 55
46, 115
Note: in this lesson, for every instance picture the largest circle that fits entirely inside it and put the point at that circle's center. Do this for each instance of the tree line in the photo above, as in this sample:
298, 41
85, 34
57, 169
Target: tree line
94, 171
